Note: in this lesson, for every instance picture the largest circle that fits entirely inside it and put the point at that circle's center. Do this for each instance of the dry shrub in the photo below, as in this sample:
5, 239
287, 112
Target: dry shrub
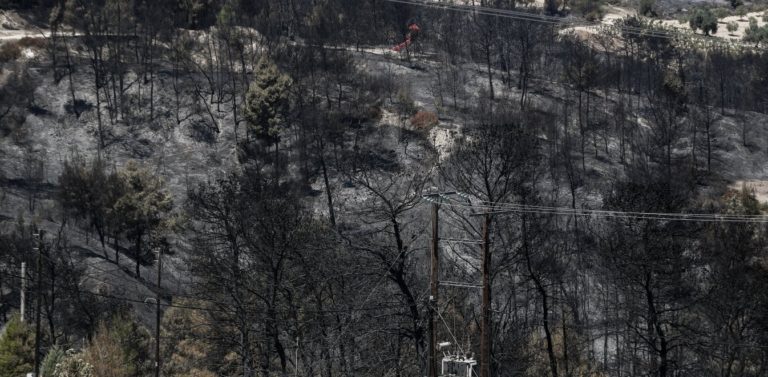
9, 52
424, 120
119, 348
36, 43
105, 355
373, 112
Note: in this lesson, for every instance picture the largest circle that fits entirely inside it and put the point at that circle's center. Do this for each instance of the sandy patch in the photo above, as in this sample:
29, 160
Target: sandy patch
613, 14
759, 186
10, 20
443, 139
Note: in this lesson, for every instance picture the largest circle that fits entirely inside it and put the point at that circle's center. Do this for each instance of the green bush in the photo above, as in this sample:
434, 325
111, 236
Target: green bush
17, 349
73, 365
733, 26
721, 12
647, 8
52, 358
592, 10
755, 34
404, 102
741, 11
704, 20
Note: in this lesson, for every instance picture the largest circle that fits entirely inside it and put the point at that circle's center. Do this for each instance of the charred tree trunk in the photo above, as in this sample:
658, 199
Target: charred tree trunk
485, 324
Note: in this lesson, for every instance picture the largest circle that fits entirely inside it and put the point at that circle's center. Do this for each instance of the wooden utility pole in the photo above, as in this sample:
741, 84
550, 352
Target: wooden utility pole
433, 285
485, 324
157, 310
38, 300
23, 303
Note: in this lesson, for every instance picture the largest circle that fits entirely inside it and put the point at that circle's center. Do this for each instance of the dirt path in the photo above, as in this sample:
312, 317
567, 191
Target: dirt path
14, 27
760, 188
15, 35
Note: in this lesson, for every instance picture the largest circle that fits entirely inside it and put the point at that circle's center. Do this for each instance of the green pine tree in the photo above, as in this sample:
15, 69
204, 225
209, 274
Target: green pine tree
143, 207
17, 349
266, 102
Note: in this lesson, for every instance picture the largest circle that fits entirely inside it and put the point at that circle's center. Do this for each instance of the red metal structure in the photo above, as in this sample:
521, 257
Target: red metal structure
410, 36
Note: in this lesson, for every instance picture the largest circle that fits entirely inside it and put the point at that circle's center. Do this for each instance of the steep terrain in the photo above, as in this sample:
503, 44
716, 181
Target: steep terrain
579, 120
53, 135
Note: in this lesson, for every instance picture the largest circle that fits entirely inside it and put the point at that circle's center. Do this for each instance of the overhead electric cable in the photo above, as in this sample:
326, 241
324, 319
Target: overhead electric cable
552, 20
483, 208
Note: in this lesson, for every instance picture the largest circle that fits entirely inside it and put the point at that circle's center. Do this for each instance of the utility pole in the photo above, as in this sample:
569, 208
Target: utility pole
485, 324
433, 285
296, 358
38, 299
23, 304
157, 310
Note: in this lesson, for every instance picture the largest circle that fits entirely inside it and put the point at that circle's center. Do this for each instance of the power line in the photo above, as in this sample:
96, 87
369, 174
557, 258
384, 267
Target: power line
506, 13
201, 308
551, 20
367, 297
532, 17
223, 307
137, 284
114, 273
457, 240
119, 298
505, 208
460, 284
